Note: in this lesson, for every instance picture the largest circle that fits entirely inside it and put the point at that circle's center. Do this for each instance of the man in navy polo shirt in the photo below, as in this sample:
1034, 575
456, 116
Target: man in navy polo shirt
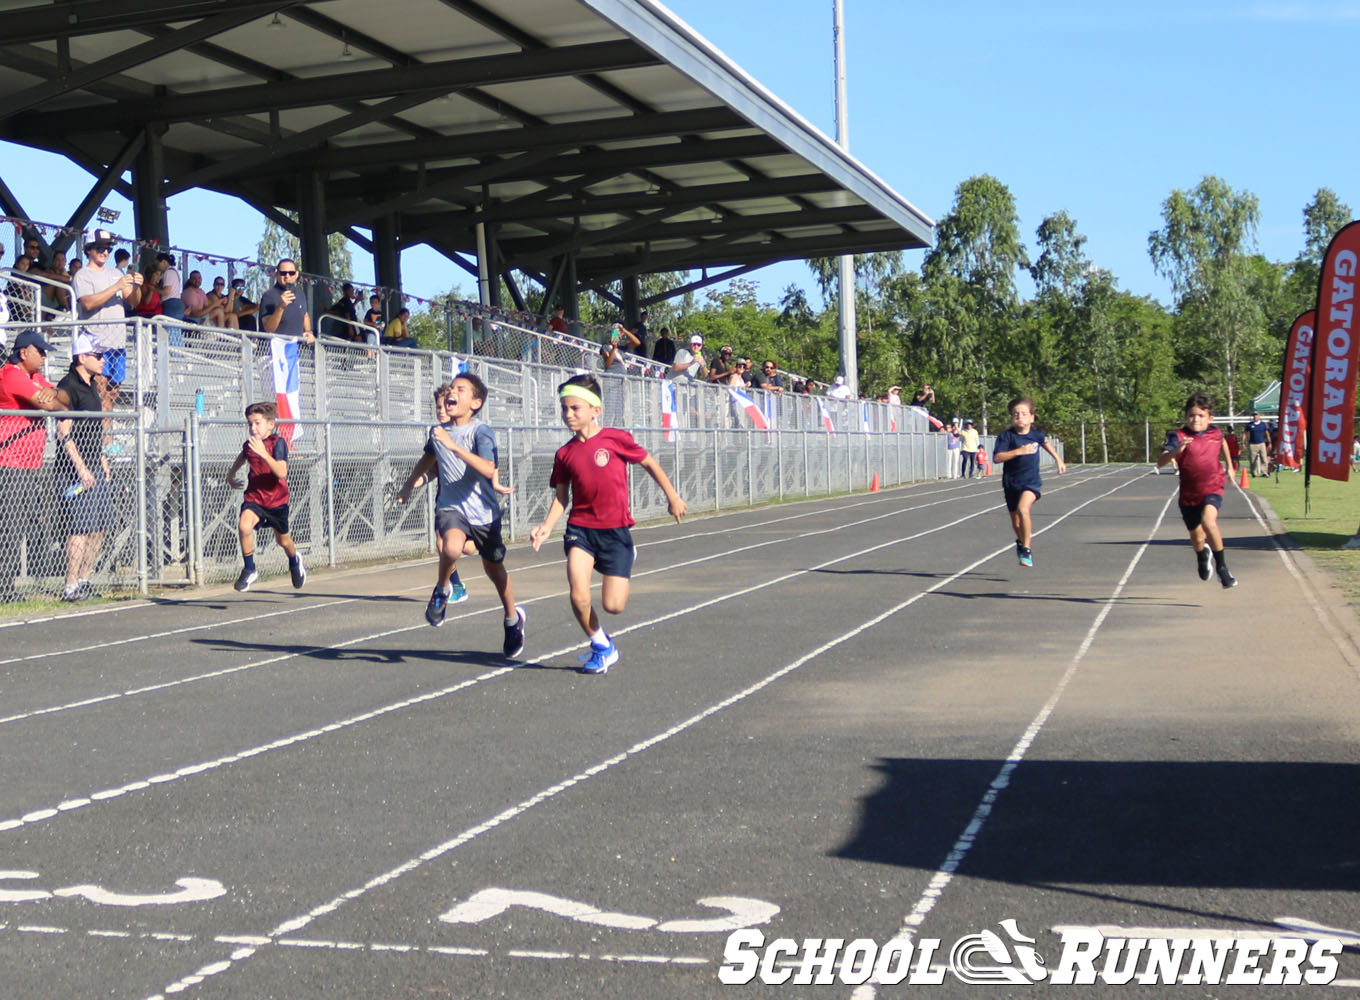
282, 310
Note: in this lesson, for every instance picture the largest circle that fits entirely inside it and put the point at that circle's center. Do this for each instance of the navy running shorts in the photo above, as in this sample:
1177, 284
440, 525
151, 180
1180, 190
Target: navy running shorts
1193, 516
270, 517
612, 548
1013, 494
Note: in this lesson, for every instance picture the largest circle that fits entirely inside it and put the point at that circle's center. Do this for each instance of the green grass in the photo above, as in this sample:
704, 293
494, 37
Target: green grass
1332, 520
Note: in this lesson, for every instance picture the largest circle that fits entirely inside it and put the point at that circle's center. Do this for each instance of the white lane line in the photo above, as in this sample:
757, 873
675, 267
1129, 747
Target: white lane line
968, 837
295, 924
189, 770
227, 671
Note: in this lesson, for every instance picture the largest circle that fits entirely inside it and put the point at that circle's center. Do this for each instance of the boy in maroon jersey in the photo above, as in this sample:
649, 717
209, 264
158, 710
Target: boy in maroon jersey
591, 472
1201, 453
266, 499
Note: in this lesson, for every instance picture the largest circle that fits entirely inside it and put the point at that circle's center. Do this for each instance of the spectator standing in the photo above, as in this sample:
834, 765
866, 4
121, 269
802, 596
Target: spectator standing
345, 308
1258, 445
83, 468
767, 377
925, 396
720, 372
558, 324
663, 350
970, 438
22, 442
953, 445
170, 286
121, 259
398, 332
103, 295
895, 395
839, 390
282, 311
689, 363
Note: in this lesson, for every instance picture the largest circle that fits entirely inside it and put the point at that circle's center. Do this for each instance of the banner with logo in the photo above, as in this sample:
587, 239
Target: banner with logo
1331, 405
1298, 356
287, 387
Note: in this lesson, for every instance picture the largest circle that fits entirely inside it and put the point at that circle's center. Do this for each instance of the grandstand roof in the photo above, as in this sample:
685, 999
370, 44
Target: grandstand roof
607, 129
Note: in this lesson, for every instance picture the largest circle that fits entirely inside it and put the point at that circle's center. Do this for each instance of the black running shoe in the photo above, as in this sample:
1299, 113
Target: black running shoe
247, 577
1226, 578
514, 636
298, 572
1202, 557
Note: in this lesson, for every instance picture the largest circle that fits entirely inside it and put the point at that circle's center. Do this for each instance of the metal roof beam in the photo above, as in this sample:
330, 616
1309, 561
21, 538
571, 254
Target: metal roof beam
49, 21
715, 253
428, 78
154, 48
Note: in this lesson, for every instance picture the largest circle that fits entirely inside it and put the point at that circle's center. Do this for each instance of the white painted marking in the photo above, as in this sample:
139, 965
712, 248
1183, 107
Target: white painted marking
488, 903
945, 873
551, 792
192, 890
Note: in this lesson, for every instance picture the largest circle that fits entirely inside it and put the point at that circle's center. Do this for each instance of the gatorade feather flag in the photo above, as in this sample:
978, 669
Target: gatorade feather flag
287, 389
1331, 403
752, 410
668, 409
1294, 389
827, 422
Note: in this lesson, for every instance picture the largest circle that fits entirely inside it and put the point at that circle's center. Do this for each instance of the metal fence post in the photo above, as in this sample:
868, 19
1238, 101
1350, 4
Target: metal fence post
142, 539
510, 473
1083, 442
717, 470
1147, 441
194, 496
330, 495
779, 460
750, 470
807, 467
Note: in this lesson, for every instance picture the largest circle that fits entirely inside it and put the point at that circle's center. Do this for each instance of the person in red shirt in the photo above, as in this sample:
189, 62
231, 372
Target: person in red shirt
590, 471
22, 443
1201, 452
266, 499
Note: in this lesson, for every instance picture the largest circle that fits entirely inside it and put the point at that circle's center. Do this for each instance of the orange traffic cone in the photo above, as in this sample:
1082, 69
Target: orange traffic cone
873, 486
1245, 483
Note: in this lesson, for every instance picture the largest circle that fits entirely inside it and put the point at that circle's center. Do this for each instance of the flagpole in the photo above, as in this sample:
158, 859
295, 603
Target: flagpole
846, 282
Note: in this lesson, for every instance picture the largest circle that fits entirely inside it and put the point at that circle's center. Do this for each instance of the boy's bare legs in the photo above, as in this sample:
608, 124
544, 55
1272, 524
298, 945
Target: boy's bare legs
614, 593
1209, 529
580, 568
500, 579
450, 548
285, 542
1020, 518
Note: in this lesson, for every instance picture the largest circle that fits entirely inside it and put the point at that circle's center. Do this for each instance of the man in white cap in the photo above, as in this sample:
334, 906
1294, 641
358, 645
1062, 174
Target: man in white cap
100, 292
82, 468
840, 390
689, 362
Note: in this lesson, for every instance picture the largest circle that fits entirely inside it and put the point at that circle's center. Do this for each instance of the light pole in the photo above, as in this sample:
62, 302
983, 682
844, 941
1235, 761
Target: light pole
846, 282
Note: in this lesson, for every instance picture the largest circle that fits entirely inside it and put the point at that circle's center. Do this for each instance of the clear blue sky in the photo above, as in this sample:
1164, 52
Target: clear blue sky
1101, 110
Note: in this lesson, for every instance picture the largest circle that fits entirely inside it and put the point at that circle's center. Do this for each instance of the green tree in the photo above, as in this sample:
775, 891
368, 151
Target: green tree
1202, 250
277, 243
972, 275
1323, 218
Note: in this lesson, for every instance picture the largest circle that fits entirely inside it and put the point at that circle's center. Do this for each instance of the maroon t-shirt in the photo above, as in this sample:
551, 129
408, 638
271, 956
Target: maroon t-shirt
263, 487
1201, 466
597, 472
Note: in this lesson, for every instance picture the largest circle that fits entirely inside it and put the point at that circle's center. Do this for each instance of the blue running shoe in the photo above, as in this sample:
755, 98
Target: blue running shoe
600, 660
247, 577
514, 636
434, 611
1026, 557
458, 594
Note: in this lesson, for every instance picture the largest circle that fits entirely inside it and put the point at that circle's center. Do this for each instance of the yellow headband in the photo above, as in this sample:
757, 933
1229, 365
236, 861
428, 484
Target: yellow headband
581, 392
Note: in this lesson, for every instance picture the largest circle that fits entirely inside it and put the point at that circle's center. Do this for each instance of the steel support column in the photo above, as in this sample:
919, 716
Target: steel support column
148, 180
387, 257
316, 252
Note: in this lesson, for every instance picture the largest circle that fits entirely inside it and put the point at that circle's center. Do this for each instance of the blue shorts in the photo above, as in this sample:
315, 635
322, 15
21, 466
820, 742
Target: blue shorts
1013, 494
115, 365
487, 537
1193, 515
612, 548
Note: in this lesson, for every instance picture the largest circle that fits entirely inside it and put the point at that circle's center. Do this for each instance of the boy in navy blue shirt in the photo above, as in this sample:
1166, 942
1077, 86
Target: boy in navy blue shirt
1017, 448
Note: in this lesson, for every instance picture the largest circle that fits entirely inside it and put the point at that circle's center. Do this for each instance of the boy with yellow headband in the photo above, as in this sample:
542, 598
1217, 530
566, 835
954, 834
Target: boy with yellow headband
591, 472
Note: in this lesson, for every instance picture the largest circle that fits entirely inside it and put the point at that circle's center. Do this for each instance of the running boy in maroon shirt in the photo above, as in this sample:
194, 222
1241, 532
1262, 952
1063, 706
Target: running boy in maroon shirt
1201, 454
590, 471
266, 499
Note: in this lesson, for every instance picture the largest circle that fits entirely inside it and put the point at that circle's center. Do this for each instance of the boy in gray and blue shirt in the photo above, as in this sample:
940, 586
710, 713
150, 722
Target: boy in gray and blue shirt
462, 453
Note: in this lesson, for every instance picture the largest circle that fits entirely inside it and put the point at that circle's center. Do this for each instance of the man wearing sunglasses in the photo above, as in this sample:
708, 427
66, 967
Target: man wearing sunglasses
282, 310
